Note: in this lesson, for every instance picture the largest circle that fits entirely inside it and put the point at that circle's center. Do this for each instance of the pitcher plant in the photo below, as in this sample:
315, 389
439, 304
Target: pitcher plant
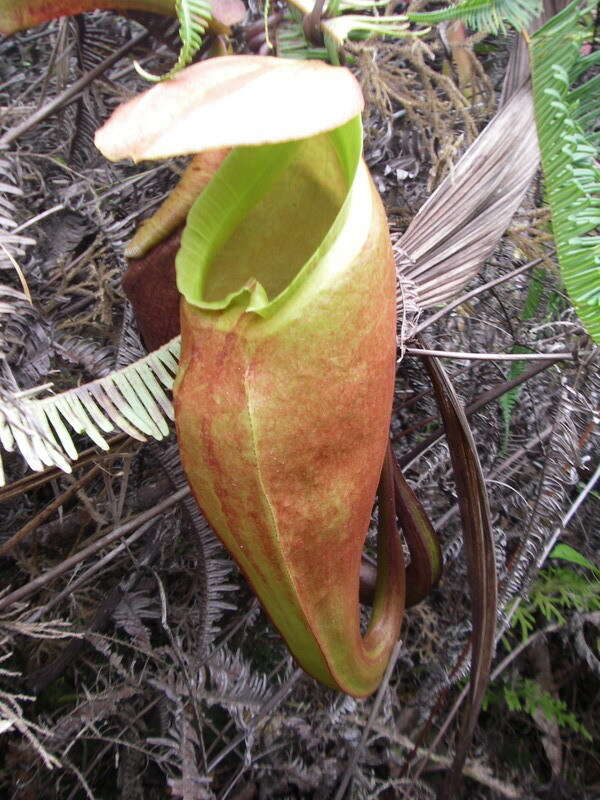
288, 328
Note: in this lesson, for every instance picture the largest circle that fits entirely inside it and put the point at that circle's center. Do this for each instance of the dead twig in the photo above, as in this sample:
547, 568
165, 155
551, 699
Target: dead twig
70, 93
369, 724
41, 678
472, 408
565, 356
37, 479
464, 298
96, 567
116, 533
34, 523
471, 769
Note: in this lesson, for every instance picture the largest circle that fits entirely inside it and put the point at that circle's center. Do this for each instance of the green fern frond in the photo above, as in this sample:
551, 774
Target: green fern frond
569, 151
556, 592
193, 17
484, 15
528, 696
585, 63
585, 103
133, 400
291, 42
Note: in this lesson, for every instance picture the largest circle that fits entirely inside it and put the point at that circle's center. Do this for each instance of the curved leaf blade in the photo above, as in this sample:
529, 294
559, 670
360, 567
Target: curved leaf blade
479, 551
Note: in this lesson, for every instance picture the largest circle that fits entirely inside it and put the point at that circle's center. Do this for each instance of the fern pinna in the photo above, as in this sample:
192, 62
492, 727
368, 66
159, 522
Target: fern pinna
566, 122
484, 15
193, 17
133, 400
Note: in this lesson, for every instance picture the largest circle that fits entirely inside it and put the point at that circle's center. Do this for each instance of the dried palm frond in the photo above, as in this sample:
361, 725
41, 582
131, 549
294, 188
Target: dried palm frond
518, 70
462, 222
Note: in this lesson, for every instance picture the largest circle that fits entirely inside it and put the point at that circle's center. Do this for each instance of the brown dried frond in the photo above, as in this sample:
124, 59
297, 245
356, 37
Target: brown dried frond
400, 77
531, 234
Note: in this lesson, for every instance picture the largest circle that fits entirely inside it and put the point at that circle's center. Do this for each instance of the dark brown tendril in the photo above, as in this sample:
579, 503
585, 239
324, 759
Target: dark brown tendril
311, 24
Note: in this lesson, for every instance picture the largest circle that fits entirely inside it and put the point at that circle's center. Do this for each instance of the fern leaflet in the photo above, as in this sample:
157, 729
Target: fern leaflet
569, 144
484, 15
132, 400
528, 696
555, 592
193, 17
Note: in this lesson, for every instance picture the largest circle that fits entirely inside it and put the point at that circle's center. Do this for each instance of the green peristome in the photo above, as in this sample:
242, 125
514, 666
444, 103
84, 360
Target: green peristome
259, 228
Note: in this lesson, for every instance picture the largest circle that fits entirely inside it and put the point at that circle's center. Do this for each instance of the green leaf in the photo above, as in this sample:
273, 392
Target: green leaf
484, 15
565, 552
569, 154
252, 186
528, 696
193, 16
535, 698
556, 592
524, 620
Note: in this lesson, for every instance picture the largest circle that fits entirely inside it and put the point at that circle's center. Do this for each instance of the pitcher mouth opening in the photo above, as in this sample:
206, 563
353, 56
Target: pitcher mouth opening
266, 213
